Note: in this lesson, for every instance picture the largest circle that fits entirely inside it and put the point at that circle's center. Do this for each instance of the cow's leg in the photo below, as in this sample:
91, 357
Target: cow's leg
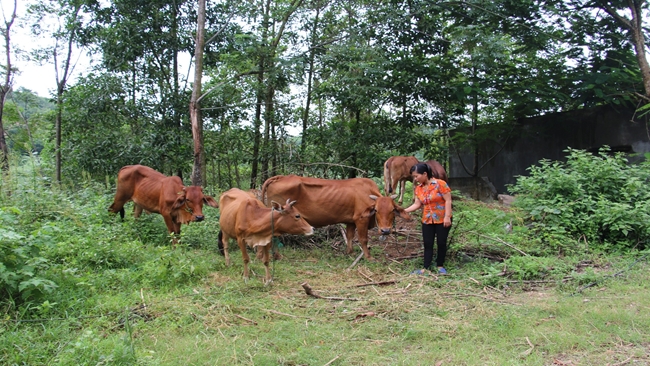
137, 210
173, 228
264, 249
223, 243
349, 236
244, 253
362, 231
402, 185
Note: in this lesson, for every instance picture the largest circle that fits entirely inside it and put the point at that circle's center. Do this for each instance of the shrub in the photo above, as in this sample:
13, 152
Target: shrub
599, 198
20, 260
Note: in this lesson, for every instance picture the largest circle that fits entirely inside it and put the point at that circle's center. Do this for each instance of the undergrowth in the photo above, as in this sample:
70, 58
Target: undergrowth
81, 286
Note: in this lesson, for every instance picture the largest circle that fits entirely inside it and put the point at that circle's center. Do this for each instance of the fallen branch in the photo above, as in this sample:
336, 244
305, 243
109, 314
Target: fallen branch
334, 359
356, 261
310, 292
289, 315
409, 257
382, 283
528, 351
248, 320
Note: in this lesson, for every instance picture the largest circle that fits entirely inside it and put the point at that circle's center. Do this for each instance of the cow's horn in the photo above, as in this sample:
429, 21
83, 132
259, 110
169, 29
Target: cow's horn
373, 197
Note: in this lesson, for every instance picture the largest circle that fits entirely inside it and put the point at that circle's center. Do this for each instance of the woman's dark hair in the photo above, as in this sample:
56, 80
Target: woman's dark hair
422, 168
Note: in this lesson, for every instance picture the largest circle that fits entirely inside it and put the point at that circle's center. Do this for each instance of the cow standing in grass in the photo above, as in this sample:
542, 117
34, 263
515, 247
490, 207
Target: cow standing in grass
155, 192
246, 219
355, 202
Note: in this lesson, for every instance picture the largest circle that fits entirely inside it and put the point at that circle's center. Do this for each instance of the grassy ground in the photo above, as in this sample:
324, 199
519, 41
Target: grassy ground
125, 297
410, 320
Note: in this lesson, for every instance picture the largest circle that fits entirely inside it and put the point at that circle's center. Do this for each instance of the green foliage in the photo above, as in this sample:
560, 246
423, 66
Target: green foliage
599, 199
532, 268
21, 262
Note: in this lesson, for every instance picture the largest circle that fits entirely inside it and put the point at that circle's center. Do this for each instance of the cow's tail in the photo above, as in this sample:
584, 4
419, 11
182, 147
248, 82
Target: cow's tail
266, 185
220, 243
388, 187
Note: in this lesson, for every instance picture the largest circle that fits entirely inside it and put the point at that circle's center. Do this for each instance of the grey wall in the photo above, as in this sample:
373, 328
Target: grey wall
546, 137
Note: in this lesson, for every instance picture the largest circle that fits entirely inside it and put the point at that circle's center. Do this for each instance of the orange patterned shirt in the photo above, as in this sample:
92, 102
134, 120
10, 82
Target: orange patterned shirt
433, 202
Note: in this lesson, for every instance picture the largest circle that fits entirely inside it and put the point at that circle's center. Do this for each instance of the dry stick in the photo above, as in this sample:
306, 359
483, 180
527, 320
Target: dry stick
623, 362
528, 351
248, 320
409, 257
279, 313
364, 275
334, 359
356, 261
382, 283
310, 292
502, 242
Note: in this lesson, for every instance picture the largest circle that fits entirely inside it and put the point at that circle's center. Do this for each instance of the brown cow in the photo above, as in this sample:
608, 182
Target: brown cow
438, 170
154, 192
355, 202
246, 219
397, 169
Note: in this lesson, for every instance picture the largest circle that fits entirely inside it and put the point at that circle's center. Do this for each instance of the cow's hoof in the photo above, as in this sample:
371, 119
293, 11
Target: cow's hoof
268, 283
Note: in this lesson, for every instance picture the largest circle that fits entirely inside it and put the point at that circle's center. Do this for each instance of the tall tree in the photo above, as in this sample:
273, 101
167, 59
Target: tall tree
198, 170
7, 82
65, 35
628, 14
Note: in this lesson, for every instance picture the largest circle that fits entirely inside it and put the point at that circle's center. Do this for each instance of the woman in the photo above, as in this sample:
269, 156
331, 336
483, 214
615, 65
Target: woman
434, 196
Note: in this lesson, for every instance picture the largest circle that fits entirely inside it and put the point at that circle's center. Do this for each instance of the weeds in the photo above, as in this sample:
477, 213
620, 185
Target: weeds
121, 295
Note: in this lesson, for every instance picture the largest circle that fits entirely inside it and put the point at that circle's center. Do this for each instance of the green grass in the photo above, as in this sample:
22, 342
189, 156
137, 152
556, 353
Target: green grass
219, 319
125, 297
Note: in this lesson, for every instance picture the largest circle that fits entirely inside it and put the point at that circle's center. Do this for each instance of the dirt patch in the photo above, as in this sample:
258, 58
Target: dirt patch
404, 242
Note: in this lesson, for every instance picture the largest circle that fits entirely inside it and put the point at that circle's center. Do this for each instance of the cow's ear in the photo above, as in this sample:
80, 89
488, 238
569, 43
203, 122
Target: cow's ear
403, 214
369, 211
276, 206
180, 201
210, 201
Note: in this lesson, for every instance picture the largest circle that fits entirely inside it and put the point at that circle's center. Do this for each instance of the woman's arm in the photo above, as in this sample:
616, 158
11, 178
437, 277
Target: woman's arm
416, 204
447, 220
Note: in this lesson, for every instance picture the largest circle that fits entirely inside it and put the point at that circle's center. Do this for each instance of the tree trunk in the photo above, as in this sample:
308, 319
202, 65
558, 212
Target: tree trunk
257, 125
310, 76
635, 26
198, 170
6, 88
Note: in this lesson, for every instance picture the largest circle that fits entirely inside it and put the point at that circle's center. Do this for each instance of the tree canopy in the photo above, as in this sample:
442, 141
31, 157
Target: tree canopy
334, 88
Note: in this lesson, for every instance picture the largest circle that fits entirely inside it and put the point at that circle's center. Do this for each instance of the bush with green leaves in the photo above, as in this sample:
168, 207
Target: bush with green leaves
598, 199
21, 262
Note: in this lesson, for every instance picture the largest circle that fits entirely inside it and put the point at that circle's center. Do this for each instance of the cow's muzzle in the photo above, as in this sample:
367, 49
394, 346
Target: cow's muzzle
198, 218
384, 231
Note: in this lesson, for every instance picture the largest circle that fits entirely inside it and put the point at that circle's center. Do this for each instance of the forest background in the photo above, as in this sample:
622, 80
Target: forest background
323, 88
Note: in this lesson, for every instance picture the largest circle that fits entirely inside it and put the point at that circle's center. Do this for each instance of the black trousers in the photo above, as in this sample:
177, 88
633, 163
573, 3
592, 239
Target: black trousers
429, 232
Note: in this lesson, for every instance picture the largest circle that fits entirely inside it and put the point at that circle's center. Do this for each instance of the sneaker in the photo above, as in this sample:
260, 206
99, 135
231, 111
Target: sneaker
418, 272
442, 271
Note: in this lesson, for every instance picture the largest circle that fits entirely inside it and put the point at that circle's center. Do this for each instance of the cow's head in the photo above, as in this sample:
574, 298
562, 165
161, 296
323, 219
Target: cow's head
289, 220
189, 204
385, 210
